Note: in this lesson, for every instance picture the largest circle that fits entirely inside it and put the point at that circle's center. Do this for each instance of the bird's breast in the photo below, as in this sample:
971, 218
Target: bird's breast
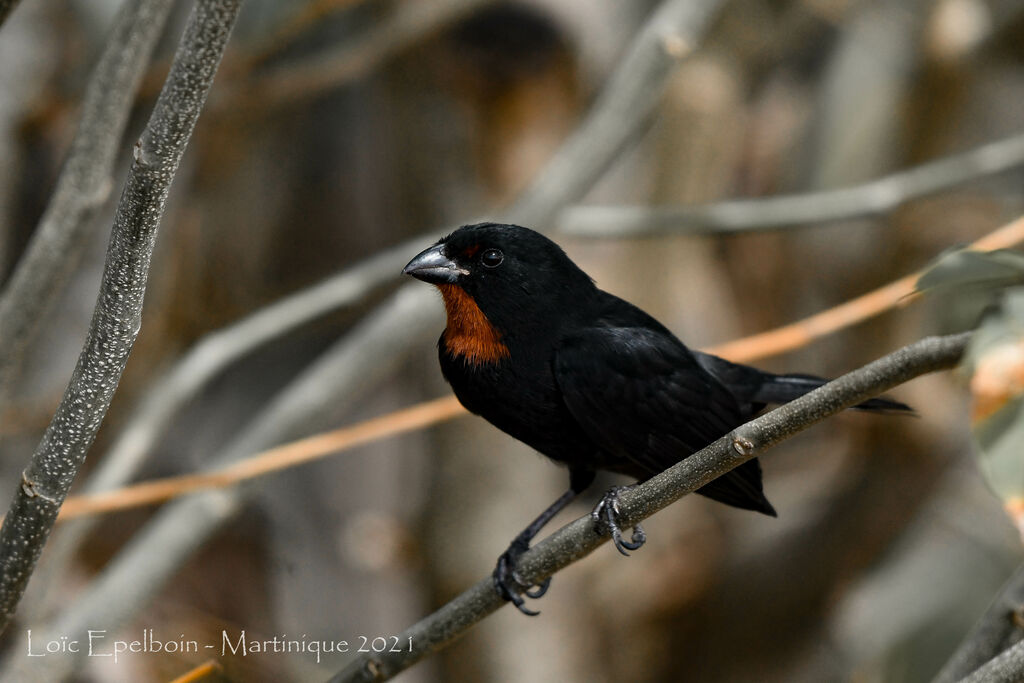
469, 336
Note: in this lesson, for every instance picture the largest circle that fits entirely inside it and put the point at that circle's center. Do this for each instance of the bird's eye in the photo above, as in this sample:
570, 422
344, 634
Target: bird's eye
492, 258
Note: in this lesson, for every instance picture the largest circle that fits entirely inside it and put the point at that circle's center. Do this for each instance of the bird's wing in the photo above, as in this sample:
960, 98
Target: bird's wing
646, 400
642, 395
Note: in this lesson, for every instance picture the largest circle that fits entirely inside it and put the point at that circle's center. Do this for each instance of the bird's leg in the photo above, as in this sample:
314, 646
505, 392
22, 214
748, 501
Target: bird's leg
606, 513
506, 579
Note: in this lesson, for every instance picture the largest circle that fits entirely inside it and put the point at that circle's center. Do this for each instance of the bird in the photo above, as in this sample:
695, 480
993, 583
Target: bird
589, 380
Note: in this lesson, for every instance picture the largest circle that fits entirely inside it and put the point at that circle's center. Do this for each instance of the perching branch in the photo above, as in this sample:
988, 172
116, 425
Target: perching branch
745, 215
999, 629
117, 317
84, 181
581, 537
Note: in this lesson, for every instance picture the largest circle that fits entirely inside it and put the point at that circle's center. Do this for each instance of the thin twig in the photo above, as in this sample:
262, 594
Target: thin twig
580, 538
1001, 627
271, 460
197, 674
771, 213
624, 107
84, 182
402, 26
306, 17
117, 317
887, 297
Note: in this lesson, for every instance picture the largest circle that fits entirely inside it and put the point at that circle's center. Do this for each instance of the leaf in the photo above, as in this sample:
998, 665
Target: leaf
986, 270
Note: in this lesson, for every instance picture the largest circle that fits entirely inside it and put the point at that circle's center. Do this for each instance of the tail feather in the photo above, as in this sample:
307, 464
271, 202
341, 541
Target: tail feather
760, 388
785, 388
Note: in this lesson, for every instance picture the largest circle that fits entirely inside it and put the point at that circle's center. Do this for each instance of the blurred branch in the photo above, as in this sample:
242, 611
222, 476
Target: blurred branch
802, 332
207, 670
305, 18
1007, 667
5, 9
401, 26
400, 324
580, 538
117, 317
1000, 628
772, 213
84, 182
282, 457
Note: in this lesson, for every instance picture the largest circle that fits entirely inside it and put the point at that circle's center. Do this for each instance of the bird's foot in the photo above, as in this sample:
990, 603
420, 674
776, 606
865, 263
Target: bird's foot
606, 514
508, 582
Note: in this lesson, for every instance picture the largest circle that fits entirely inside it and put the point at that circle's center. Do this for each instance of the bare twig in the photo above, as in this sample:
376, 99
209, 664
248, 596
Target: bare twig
745, 215
1000, 628
276, 459
115, 323
887, 297
402, 26
84, 182
208, 669
624, 107
580, 538
304, 18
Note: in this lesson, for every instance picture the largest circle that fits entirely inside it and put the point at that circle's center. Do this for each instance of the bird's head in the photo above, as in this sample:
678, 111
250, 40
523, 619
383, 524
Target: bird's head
514, 278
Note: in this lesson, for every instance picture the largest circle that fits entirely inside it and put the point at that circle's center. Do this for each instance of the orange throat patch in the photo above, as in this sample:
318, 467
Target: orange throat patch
469, 335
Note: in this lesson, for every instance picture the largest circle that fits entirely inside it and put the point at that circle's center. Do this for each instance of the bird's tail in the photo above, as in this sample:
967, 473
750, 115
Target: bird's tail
785, 388
760, 388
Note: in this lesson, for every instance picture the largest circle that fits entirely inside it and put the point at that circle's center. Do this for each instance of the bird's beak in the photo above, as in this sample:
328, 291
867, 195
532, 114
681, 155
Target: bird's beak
433, 266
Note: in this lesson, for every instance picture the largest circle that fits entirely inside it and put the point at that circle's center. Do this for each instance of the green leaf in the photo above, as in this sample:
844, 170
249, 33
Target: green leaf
986, 270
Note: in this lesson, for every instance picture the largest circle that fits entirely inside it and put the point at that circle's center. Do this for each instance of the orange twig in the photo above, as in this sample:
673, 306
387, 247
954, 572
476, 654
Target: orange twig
439, 410
291, 454
199, 673
802, 332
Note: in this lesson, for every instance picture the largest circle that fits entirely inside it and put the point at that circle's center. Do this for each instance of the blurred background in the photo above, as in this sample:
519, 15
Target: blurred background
339, 128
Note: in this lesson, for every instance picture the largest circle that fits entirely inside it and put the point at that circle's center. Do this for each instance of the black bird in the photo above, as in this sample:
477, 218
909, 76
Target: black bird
587, 379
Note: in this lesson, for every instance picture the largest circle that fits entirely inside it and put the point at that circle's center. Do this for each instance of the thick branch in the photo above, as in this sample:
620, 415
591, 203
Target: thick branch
1000, 628
745, 215
582, 537
117, 317
84, 181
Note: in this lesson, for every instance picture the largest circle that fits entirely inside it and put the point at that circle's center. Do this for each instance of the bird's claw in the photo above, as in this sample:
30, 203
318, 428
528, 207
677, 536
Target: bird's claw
508, 582
606, 514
